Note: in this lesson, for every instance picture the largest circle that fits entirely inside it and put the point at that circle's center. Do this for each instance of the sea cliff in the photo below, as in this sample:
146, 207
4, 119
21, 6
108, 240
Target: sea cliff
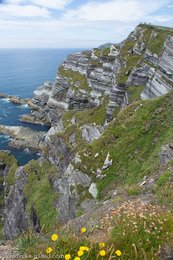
109, 111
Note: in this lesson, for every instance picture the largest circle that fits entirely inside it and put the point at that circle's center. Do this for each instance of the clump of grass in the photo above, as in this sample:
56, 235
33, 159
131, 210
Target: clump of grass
163, 188
26, 241
12, 164
134, 190
163, 179
134, 93
106, 52
97, 52
140, 229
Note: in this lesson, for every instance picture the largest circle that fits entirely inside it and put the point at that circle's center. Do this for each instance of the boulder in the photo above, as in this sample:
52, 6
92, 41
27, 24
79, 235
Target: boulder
91, 132
166, 153
107, 163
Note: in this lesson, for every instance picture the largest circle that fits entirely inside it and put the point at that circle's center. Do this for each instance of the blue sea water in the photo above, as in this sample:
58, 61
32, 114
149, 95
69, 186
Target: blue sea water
21, 72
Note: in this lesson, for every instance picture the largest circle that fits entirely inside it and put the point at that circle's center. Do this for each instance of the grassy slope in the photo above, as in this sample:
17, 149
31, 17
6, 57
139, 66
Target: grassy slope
133, 140
90, 116
39, 192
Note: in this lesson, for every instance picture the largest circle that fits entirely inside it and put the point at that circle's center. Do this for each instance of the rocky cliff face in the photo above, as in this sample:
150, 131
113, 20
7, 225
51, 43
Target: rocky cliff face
144, 59
161, 77
81, 83
83, 148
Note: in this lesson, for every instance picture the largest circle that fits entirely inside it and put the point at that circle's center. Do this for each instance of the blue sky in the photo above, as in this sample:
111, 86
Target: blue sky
76, 23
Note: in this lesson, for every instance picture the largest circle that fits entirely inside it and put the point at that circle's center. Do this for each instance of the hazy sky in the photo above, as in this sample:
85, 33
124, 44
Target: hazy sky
76, 23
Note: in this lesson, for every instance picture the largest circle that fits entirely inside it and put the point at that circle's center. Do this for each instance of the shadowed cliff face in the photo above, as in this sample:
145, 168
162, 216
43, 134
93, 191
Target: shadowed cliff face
84, 155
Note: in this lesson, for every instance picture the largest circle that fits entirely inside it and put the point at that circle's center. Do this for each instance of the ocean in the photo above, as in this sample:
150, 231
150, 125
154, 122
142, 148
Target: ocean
21, 72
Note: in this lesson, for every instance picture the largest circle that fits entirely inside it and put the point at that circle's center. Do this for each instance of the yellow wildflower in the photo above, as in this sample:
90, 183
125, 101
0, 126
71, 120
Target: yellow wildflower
49, 250
77, 258
67, 257
118, 253
102, 253
84, 248
81, 248
80, 253
54, 237
102, 244
83, 230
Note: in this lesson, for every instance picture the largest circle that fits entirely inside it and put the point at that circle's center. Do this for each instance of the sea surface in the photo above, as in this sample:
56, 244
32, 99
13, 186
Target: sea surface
21, 72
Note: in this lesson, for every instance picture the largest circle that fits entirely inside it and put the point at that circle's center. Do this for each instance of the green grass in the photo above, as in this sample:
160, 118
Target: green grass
39, 193
75, 77
163, 188
156, 43
134, 93
106, 52
11, 163
97, 52
11, 173
96, 63
134, 190
95, 115
131, 61
139, 231
163, 179
133, 140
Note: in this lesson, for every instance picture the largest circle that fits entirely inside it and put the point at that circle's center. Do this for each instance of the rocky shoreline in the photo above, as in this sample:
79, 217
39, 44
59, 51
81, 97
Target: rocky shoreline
23, 137
16, 100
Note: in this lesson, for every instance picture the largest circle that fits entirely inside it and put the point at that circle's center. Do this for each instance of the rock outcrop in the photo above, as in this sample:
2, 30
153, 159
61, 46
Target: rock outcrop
91, 132
82, 82
166, 154
23, 137
161, 77
16, 220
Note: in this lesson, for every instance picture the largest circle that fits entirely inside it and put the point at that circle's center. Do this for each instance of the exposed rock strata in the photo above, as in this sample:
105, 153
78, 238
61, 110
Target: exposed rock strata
161, 78
51, 100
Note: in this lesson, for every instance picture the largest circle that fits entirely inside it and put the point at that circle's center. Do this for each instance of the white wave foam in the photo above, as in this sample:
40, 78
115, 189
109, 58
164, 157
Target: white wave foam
7, 137
5, 100
26, 150
24, 106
